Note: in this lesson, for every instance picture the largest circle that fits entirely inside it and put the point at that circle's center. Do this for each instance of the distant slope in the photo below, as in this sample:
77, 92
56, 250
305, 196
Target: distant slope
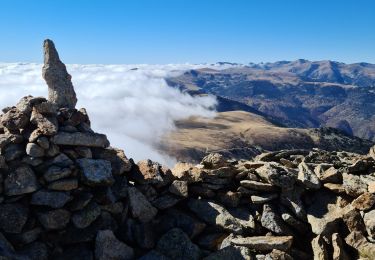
242, 134
300, 93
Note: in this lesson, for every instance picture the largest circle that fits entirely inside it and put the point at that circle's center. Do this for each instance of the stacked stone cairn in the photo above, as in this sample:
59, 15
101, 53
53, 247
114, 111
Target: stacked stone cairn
66, 194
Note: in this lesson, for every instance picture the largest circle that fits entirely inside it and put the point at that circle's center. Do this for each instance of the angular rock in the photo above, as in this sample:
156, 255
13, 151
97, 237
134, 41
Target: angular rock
149, 172
62, 161
308, 177
46, 125
54, 219
53, 199
214, 214
331, 175
46, 108
354, 221
81, 139
179, 188
60, 88
364, 201
278, 176
272, 221
34, 150
264, 243
214, 161
96, 172
353, 185
26, 104
140, 207
20, 181
55, 173
14, 119
108, 247
336, 188
84, 217
175, 244
13, 217
369, 220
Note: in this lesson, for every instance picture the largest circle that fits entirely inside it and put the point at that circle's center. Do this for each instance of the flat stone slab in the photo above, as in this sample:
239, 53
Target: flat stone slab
53, 199
81, 139
264, 243
256, 185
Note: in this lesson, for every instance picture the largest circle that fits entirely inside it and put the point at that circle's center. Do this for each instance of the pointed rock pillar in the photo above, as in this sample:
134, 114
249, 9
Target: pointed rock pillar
60, 88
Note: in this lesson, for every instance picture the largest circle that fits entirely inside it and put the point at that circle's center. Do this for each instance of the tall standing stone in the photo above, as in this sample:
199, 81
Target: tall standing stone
60, 87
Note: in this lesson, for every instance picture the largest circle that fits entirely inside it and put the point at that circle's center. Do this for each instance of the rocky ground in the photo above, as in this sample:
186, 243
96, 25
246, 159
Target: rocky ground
66, 194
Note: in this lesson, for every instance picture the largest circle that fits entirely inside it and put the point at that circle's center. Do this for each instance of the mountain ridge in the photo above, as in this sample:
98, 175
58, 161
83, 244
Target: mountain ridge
299, 94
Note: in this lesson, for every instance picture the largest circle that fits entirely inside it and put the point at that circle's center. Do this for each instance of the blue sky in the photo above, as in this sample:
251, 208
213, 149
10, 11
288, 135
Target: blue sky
179, 31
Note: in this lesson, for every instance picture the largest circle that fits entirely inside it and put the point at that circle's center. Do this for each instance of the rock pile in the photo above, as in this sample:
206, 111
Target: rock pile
66, 194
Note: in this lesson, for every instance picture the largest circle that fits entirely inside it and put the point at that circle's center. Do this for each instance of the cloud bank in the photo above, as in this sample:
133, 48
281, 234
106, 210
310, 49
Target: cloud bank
134, 107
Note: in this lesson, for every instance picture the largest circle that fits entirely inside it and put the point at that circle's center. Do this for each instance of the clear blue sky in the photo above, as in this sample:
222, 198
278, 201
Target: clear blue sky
178, 31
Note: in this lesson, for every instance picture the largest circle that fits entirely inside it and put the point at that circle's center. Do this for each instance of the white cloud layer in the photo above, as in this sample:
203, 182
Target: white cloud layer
133, 107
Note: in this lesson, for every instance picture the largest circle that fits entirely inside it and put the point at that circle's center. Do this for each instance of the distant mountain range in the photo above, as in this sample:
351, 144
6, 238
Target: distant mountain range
298, 94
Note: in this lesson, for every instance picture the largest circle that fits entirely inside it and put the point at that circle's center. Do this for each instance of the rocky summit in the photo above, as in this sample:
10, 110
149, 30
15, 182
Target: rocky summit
65, 193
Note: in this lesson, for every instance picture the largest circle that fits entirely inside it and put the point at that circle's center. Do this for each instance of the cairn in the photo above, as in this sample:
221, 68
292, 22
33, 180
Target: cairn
66, 194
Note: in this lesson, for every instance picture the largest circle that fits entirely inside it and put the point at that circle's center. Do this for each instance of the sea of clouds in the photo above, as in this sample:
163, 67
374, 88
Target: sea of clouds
134, 107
